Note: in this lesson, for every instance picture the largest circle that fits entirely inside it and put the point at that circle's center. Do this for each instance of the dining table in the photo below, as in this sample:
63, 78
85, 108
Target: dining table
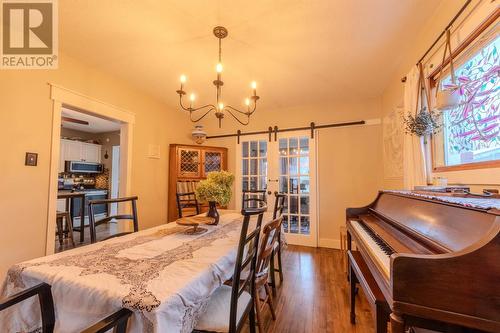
164, 275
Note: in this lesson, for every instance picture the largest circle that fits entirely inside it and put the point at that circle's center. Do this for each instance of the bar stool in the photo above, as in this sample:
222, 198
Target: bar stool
60, 216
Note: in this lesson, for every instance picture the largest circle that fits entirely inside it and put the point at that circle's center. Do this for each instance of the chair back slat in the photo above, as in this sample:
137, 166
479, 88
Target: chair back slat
187, 200
270, 236
253, 198
46, 304
246, 259
279, 204
131, 217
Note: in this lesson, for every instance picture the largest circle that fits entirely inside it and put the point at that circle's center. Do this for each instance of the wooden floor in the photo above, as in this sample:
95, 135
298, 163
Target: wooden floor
102, 231
315, 295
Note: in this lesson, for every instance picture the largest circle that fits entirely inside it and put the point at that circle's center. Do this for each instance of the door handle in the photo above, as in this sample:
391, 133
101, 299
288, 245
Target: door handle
269, 192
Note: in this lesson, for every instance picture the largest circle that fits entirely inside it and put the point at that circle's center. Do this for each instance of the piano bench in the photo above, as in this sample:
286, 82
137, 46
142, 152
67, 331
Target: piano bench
359, 273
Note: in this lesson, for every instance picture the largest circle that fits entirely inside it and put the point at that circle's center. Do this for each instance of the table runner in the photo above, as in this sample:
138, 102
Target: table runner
164, 275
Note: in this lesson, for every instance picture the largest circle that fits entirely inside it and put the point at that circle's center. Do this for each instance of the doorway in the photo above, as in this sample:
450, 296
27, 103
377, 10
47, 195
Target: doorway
287, 165
64, 98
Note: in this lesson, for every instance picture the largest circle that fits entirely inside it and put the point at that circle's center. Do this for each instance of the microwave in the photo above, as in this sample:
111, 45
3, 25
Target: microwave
83, 167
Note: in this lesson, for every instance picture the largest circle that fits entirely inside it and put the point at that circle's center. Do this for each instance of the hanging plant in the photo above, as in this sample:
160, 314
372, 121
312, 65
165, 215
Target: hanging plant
424, 122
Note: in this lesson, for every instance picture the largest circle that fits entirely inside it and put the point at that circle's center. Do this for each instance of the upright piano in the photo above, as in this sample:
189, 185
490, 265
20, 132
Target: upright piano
434, 263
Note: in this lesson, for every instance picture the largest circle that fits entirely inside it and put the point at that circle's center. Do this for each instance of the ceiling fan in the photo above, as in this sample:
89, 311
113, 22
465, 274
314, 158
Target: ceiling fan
73, 120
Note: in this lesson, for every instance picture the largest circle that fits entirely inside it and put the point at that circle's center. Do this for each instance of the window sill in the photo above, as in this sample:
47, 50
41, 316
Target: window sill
469, 166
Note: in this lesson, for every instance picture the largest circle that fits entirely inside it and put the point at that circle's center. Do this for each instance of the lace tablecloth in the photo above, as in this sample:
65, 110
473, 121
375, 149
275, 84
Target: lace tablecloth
163, 274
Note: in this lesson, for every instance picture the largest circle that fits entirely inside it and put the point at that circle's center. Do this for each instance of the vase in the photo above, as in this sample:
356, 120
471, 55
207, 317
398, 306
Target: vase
212, 212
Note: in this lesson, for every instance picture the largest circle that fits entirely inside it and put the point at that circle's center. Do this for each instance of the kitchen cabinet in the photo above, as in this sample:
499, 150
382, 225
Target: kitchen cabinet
71, 150
188, 165
91, 152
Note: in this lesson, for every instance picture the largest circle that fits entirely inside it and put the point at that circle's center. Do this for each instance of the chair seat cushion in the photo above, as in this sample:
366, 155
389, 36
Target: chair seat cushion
216, 317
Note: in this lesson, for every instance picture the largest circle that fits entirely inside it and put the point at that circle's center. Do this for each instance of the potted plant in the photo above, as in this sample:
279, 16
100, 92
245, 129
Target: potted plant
216, 189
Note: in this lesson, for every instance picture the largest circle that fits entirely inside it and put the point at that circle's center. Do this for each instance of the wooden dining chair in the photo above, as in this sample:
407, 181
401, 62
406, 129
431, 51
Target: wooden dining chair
117, 320
229, 306
131, 217
268, 239
187, 200
279, 206
253, 198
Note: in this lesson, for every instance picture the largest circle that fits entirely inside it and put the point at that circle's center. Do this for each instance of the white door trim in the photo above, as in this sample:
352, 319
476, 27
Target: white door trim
61, 96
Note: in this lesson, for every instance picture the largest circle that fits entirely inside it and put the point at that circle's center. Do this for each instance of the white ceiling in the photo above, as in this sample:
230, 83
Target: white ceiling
96, 124
299, 52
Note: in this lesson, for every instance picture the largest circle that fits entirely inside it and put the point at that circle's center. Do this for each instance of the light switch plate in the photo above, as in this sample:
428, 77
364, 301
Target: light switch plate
154, 151
31, 159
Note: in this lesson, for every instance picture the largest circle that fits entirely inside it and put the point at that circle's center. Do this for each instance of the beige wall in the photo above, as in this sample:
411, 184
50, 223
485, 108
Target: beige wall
25, 115
393, 94
349, 159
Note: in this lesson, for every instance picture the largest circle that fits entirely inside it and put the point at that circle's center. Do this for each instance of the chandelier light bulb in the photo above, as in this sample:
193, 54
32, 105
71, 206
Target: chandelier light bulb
254, 85
247, 101
183, 78
221, 106
218, 68
192, 97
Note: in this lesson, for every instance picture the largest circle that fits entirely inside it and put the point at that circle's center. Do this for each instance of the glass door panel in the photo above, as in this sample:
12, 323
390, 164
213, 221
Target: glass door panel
288, 166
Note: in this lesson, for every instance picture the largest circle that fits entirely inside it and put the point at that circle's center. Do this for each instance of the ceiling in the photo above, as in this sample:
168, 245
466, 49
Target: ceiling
300, 52
96, 124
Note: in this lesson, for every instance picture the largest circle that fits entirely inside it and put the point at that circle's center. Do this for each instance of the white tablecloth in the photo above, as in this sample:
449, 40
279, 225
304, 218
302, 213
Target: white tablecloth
164, 275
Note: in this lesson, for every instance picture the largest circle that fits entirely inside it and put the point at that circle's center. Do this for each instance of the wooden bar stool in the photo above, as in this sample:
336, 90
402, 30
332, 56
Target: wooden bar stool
60, 217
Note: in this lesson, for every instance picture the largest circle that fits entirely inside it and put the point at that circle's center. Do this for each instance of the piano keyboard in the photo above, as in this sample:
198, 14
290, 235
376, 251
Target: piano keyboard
379, 250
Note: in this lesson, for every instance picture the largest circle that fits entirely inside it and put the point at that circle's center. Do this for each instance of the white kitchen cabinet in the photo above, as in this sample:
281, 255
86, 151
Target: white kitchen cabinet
91, 152
73, 151
78, 151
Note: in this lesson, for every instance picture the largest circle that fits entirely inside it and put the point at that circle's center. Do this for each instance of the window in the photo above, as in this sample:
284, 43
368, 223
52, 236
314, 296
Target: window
471, 132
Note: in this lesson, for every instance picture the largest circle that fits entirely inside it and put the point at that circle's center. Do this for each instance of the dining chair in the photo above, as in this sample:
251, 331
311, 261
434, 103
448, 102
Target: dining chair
269, 237
117, 320
279, 206
187, 200
229, 306
131, 217
253, 198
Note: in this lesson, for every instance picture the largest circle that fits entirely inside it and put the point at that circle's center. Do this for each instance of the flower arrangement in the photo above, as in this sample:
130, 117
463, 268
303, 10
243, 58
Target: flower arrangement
216, 188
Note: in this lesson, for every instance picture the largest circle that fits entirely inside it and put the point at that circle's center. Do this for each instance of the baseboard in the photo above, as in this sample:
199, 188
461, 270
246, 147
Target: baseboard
329, 243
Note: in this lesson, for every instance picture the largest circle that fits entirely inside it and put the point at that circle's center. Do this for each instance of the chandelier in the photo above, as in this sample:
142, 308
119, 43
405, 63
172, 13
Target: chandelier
219, 107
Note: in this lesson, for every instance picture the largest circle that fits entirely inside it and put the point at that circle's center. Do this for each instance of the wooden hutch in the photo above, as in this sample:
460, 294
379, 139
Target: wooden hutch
188, 165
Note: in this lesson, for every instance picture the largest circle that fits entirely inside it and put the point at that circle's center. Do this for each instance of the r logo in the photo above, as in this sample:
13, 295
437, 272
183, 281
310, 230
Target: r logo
27, 28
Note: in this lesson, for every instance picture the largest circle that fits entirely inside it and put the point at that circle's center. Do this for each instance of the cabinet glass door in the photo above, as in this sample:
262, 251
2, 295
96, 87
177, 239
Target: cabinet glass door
212, 161
189, 162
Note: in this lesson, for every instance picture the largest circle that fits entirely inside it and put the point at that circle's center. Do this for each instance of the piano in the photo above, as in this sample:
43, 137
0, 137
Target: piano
427, 263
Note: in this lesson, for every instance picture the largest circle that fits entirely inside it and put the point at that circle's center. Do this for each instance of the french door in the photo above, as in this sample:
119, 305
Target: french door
287, 165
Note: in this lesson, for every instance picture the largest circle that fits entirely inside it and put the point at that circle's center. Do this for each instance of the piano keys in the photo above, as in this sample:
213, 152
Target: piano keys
436, 264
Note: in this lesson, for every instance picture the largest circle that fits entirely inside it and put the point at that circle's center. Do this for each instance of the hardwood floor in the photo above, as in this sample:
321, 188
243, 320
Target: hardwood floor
102, 231
315, 295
